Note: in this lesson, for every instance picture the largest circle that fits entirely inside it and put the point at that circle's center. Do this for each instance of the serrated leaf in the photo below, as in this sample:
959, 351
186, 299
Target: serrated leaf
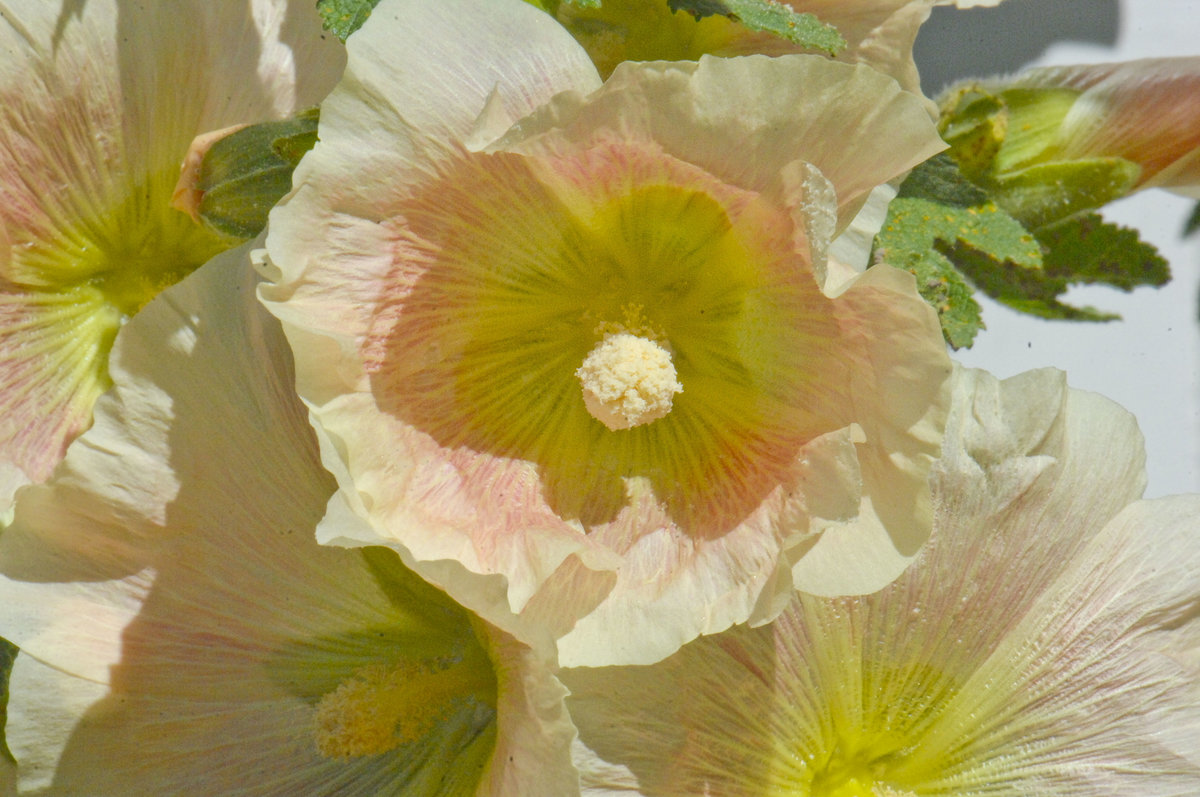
8, 655
939, 230
938, 218
1083, 250
246, 173
1089, 250
770, 16
939, 180
343, 17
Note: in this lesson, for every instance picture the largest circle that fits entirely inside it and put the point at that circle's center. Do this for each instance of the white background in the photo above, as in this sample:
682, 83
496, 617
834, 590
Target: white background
1149, 361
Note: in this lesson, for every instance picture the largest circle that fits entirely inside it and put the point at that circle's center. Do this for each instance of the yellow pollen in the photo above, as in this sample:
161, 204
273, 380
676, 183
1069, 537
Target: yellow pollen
381, 707
628, 381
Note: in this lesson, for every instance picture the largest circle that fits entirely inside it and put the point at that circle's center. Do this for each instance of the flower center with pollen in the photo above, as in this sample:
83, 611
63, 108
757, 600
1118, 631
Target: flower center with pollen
381, 707
628, 381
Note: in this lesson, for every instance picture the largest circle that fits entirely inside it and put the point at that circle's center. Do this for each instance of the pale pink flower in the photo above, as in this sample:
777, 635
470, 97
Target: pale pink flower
99, 102
459, 245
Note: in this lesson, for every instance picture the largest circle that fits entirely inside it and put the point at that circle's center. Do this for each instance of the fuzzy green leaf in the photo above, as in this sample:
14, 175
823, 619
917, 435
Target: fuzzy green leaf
343, 17
246, 173
938, 219
955, 238
770, 16
1089, 250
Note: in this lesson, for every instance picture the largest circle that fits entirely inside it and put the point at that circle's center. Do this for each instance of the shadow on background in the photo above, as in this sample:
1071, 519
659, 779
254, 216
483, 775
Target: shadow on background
982, 42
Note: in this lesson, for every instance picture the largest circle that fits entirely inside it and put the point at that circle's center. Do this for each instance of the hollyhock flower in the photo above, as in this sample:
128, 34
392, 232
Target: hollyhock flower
1142, 111
1039, 645
99, 102
591, 360
181, 630
879, 33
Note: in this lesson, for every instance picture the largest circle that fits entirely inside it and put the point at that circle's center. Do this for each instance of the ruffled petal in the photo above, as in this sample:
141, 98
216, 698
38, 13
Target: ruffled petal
1022, 653
878, 33
406, 104
783, 109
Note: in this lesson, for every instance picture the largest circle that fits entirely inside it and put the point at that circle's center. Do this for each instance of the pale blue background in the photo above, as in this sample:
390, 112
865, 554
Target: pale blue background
1150, 361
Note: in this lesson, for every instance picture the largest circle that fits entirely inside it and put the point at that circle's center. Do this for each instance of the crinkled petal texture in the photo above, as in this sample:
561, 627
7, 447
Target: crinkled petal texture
1144, 111
1033, 649
441, 296
98, 104
181, 630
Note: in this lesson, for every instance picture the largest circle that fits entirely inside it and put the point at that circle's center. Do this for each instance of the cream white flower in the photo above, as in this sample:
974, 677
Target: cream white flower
457, 251
181, 630
99, 102
1043, 644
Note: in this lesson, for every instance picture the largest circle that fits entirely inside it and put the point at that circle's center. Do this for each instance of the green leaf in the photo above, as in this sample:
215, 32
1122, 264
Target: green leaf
246, 173
770, 16
1089, 250
1193, 222
938, 219
343, 17
939, 180
954, 238
8, 655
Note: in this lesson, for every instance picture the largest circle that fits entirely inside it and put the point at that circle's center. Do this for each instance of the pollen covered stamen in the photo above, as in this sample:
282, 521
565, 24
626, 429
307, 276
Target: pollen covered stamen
628, 381
381, 707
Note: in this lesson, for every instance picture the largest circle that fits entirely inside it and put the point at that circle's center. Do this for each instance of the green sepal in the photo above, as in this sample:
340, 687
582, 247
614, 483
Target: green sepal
8, 655
343, 17
1008, 141
1048, 193
770, 16
246, 173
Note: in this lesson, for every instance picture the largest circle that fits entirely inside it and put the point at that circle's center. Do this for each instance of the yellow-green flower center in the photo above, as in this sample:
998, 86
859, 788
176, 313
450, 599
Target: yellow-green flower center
623, 319
381, 707
125, 253
409, 694
83, 279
